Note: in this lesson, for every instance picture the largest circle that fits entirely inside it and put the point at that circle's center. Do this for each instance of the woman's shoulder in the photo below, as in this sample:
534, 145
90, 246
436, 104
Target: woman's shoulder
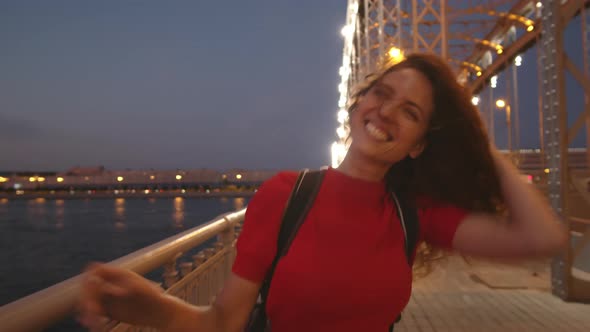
432, 210
439, 220
283, 180
276, 188
256, 246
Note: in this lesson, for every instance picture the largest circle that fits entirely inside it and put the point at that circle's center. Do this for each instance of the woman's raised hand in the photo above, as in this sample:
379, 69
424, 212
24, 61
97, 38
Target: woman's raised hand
120, 295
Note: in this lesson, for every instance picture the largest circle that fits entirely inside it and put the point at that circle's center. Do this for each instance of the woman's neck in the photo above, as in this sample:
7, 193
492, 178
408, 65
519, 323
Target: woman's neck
360, 167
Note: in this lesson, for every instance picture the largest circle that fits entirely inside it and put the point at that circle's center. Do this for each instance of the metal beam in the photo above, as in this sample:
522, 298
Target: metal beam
527, 40
556, 129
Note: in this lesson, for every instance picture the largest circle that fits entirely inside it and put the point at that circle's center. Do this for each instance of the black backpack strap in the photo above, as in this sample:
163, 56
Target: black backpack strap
294, 215
299, 203
408, 217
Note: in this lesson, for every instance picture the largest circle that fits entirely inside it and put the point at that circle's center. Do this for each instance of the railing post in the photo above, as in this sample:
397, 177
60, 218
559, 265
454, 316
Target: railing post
185, 268
170, 272
227, 238
199, 259
203, 284
209, 252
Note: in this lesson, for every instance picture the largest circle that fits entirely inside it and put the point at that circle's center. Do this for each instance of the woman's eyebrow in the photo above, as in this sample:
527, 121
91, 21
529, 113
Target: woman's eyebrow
415, 105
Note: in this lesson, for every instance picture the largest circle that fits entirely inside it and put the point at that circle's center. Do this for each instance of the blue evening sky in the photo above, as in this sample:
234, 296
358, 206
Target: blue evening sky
178, 84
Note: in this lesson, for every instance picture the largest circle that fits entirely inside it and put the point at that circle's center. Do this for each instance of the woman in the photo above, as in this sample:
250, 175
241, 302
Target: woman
413, 129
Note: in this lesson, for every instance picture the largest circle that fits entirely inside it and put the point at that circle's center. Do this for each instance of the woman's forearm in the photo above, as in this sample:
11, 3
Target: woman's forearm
529, 211
178, 315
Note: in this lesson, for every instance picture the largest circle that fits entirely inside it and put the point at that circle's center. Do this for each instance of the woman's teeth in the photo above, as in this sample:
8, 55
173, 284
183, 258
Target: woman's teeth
376, 133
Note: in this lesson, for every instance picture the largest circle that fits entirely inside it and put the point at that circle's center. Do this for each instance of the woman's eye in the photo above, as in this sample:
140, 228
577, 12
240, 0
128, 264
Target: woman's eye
411, 113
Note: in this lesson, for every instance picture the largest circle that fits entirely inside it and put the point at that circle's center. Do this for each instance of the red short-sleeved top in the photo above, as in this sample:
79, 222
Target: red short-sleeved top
346, 270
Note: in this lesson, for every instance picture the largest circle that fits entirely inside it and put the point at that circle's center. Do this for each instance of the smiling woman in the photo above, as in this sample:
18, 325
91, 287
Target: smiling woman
414, 115
415, 135
420, 106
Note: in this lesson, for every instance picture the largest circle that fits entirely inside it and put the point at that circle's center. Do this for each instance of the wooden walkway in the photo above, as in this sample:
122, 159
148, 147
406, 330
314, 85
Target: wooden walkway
481, 296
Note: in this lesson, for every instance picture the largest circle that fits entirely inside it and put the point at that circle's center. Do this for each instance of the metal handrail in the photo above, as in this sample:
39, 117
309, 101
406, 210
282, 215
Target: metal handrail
46, 307
580, 220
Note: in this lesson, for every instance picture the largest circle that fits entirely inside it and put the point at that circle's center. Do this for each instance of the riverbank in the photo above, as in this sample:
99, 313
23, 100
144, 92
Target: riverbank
125, 194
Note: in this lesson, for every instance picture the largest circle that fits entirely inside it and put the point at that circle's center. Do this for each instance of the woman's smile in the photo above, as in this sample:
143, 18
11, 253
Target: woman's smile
376, 132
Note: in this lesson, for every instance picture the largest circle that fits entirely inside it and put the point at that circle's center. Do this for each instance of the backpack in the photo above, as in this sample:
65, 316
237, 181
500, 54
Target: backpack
300, 202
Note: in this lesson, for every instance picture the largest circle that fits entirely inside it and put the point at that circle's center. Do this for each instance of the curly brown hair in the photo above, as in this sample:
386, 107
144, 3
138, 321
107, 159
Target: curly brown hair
456, 166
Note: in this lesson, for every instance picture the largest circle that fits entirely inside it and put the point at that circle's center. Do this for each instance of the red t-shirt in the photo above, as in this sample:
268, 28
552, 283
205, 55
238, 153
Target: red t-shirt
346, 270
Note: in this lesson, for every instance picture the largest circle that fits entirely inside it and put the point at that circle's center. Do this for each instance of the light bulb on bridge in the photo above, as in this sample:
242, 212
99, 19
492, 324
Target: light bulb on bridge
342, 116
396, 54
341, 132
338, 153
346, 31
500, 103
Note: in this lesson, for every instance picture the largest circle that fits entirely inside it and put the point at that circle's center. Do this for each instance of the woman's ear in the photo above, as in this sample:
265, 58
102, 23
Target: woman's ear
418, 149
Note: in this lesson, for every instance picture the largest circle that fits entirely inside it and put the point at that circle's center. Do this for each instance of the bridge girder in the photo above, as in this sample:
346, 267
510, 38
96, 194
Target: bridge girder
466, 33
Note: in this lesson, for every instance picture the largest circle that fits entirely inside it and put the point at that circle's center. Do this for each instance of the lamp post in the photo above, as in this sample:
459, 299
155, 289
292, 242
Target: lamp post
500, 103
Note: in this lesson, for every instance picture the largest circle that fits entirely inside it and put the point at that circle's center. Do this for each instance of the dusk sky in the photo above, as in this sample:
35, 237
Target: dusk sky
180, 84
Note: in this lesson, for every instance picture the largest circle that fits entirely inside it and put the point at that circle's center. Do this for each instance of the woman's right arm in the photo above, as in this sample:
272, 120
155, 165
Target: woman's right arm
229, 312
126, 296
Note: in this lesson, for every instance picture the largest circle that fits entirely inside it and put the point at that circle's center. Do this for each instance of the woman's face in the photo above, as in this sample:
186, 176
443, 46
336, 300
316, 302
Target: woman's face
391, 119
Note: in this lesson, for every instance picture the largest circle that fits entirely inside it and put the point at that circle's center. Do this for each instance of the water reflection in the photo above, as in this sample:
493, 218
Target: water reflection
36, 212
239, 203
178, 215
59, 213
120, 213
3, 205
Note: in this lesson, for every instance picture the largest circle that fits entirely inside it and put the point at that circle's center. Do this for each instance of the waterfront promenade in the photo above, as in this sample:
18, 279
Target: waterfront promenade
476, 296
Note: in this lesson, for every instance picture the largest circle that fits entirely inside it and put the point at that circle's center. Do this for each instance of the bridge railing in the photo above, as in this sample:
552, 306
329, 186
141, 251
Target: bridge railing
196, 281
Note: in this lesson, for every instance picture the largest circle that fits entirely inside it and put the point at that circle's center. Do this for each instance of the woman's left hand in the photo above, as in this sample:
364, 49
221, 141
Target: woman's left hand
531, 228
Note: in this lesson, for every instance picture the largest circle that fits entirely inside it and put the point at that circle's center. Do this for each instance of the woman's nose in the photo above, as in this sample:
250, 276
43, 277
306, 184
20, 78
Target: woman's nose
388, 110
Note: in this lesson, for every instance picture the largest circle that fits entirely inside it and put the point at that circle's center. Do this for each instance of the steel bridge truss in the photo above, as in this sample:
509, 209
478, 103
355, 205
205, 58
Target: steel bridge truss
481, 39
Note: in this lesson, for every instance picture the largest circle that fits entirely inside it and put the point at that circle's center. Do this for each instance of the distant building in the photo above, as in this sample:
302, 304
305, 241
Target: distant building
85, 171
100, 178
